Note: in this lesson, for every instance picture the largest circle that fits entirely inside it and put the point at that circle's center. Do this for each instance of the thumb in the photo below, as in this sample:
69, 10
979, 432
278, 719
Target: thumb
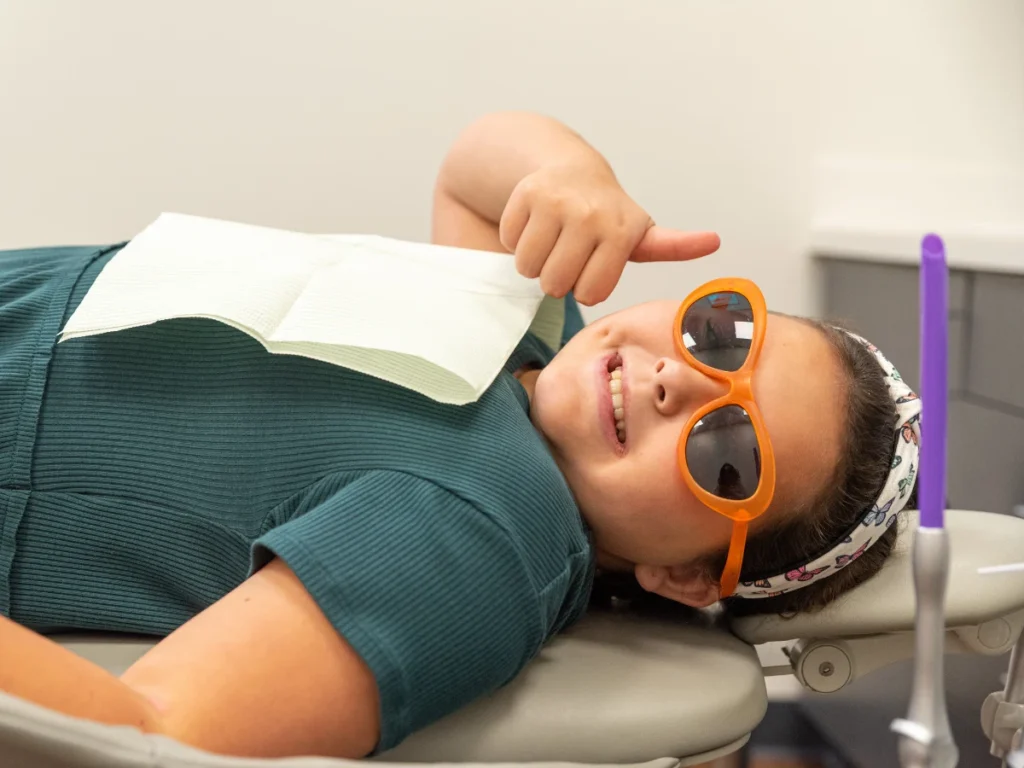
662, 244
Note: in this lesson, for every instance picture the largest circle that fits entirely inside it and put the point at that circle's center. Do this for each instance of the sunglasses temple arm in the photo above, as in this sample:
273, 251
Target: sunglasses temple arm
731, 574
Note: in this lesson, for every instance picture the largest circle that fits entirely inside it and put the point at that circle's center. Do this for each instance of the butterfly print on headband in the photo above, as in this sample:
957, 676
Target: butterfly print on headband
802, 574
844, 560
908, 433
907, 482
764, 583
877, 516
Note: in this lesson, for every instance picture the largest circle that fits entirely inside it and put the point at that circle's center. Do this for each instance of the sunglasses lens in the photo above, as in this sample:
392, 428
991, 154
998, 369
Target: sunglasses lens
723, 455
718, 330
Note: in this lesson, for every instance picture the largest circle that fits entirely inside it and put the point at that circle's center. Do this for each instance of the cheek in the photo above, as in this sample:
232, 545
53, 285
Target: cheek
654, 463
555, 408
663, 499
648, 487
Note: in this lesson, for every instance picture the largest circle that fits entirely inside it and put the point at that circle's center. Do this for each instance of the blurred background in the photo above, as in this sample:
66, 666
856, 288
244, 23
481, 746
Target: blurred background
820, 138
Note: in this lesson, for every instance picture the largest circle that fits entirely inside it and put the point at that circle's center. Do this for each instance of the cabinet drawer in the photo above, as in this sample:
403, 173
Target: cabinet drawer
996, 339
985, 459
880, 301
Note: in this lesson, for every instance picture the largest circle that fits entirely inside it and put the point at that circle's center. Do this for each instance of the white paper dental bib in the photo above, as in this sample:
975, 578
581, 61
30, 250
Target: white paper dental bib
438, 320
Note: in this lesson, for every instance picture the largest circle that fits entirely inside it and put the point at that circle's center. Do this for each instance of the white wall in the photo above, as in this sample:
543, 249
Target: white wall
333, 115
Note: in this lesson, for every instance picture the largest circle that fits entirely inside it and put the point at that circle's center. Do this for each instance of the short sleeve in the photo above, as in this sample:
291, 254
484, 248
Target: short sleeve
573, 322
430, 591
557, 321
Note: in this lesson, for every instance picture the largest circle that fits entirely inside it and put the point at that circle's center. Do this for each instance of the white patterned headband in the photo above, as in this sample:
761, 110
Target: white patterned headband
878, 518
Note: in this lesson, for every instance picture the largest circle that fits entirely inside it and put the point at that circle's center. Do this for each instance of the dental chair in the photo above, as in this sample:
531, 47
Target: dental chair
619, 689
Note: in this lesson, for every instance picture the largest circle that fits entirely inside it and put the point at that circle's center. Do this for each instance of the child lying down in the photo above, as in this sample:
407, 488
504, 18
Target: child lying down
337, 562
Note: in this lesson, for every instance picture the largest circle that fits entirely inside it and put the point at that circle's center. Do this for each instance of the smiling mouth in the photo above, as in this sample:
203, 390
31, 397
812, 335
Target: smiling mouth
618, 399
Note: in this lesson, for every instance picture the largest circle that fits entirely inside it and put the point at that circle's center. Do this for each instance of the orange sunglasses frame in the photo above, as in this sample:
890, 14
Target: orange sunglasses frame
740, 393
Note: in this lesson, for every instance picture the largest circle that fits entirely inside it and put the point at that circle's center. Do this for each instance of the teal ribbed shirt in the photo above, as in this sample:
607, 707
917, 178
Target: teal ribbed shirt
145, 473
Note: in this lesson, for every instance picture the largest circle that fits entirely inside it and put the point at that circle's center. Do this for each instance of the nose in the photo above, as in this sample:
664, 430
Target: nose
680, 388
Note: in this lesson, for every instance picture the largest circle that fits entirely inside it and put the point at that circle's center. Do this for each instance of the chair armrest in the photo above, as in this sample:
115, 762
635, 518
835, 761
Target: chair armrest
885, 604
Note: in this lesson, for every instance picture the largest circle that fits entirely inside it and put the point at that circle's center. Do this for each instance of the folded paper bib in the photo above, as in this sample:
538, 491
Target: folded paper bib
438, 320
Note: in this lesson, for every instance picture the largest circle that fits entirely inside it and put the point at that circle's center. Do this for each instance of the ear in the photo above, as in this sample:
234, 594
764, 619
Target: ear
686, 584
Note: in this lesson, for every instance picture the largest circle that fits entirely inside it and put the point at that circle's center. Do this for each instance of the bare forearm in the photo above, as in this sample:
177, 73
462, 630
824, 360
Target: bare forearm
35, 668
260, 673
497, 151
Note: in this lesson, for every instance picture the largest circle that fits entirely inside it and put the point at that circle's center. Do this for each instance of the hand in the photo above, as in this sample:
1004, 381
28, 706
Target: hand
575, 228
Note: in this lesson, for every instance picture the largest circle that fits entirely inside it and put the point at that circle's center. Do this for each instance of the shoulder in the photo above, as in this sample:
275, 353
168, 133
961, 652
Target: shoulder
516, 485
515, 504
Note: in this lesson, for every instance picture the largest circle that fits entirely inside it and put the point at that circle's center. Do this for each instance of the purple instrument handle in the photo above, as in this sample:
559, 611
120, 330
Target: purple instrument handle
934, 289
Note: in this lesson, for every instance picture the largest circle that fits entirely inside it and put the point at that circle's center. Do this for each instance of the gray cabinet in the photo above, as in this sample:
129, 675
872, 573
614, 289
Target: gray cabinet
995, 374
985, 460
986, 365
985, 470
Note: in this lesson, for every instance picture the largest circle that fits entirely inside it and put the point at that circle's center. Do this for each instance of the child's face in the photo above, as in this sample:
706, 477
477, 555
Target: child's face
633, 496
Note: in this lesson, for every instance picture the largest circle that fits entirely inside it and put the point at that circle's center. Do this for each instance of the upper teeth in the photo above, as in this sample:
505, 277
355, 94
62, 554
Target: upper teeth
615, 385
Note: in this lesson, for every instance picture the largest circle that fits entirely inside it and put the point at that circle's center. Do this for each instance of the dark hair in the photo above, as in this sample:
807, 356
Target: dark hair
810, 530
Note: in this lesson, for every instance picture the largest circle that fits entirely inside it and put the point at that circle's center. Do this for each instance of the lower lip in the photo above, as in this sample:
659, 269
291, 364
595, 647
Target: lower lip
605, 411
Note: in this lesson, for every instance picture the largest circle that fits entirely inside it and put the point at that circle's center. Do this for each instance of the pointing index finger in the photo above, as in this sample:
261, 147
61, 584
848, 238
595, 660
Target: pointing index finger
662, 244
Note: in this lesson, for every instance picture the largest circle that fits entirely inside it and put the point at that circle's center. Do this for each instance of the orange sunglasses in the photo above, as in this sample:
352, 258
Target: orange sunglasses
724, 452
